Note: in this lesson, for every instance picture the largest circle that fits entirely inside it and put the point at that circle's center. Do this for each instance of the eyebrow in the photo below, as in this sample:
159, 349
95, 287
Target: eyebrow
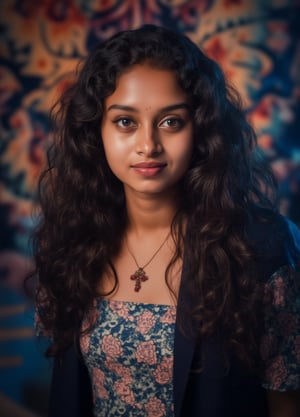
164, 109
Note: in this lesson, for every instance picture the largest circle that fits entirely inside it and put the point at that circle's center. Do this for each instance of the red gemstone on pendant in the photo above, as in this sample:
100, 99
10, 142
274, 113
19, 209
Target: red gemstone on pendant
139, 276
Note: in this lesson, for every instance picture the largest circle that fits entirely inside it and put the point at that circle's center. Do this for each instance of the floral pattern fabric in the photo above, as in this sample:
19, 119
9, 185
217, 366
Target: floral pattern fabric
280, 344
129, 352
129, 355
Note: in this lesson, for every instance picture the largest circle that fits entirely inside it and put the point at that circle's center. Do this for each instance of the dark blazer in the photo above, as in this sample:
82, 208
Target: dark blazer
213, 392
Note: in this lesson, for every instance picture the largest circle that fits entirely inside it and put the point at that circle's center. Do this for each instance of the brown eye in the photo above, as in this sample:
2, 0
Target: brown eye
124, 122
172, 123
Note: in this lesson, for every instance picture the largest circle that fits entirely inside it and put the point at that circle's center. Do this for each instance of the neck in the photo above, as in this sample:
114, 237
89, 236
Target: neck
150, 213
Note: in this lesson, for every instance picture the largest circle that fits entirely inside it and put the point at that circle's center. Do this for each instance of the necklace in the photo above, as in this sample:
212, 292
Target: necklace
140, 275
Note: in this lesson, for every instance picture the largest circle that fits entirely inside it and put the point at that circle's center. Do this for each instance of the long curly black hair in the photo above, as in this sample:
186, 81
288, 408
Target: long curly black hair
83, 206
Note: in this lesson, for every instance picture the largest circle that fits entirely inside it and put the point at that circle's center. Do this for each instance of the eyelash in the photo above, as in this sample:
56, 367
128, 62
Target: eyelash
179, 122
121, 119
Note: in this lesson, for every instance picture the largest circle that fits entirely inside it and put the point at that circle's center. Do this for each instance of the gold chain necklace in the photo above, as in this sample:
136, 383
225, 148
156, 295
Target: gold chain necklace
140, 275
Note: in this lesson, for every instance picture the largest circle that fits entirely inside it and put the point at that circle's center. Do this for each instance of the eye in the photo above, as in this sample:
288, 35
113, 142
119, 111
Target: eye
124, 122
173, 123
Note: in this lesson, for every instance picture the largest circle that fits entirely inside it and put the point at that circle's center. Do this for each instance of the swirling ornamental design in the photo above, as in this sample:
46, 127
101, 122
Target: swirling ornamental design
255, 41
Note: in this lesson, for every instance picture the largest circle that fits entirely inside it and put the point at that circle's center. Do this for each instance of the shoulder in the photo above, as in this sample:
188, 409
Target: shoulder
276, 243
275, 240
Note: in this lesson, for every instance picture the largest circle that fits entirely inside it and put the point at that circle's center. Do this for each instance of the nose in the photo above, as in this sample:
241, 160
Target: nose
148, 142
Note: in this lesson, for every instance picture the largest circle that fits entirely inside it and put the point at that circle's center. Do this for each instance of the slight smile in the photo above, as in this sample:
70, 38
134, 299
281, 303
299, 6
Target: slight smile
149, 169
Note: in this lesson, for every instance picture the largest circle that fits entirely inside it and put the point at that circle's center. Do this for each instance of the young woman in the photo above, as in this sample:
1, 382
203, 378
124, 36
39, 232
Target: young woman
167, 279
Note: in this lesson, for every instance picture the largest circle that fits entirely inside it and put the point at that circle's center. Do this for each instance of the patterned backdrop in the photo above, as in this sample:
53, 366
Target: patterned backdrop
255, 41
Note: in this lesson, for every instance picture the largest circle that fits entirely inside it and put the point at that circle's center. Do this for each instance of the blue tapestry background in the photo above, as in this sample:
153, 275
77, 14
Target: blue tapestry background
255, 41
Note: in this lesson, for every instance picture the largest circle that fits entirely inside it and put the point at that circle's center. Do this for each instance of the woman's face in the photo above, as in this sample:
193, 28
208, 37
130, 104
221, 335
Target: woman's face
147, 130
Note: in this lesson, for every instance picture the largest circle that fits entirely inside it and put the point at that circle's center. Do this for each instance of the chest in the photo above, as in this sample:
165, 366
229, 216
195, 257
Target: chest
129, 355
131, 280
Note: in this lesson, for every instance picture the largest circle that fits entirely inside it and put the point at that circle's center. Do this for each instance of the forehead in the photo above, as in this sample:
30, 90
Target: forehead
143, 85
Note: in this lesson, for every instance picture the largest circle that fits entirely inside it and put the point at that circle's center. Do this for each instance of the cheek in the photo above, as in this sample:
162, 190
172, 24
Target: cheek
113, 147
116, 156
113, 156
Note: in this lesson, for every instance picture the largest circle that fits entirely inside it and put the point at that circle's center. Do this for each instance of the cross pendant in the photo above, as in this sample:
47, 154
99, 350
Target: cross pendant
139, 276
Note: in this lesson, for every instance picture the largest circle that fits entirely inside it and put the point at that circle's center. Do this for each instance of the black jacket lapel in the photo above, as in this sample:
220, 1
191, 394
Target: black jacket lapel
184, 347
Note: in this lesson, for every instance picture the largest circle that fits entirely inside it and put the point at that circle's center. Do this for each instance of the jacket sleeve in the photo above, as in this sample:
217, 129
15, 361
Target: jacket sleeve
276, 244
70, 391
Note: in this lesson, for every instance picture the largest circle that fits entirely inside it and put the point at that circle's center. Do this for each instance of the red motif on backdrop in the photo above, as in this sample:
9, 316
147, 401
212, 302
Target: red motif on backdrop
41, 45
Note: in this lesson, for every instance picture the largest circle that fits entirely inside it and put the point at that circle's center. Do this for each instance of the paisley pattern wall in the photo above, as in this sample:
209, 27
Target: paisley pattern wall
255, 41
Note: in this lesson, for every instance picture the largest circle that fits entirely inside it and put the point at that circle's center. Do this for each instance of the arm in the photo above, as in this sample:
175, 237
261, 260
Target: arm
284, 404
280, 345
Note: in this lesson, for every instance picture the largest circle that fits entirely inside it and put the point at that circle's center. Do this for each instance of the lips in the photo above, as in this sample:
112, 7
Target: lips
148, 165
149, 169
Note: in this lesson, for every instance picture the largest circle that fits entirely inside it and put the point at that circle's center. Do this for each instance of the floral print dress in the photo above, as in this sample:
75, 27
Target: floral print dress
129, 351
129, 355
280, 344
